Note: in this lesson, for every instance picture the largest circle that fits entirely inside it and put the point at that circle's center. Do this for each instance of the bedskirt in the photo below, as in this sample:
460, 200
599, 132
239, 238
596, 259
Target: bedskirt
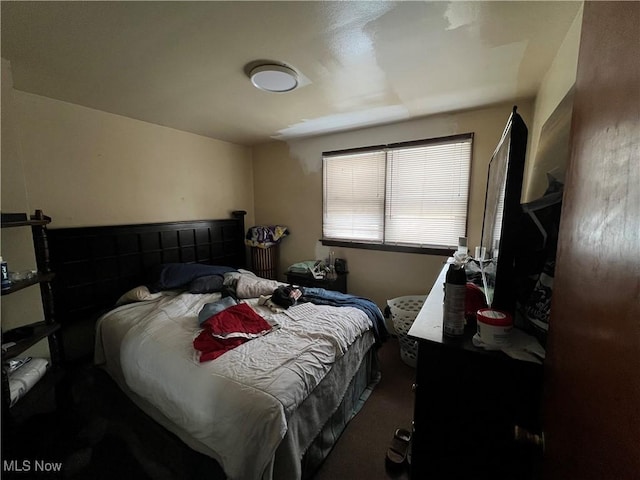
293, 463
361, 386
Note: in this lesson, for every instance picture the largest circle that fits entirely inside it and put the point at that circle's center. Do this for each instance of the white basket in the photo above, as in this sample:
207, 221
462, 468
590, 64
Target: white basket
404, 311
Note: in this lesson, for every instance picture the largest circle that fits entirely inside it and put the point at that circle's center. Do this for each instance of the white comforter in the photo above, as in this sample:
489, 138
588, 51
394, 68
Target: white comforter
239, 404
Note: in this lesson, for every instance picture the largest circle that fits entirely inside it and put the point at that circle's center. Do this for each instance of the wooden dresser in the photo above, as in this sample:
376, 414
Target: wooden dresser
467, 403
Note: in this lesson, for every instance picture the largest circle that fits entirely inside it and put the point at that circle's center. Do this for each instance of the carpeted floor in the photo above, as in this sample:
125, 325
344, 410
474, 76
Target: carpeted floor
361, 450
88, 441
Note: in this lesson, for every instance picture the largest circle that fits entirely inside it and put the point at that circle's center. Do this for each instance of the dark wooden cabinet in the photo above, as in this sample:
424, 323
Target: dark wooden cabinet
25, 336
467, 403
304, 280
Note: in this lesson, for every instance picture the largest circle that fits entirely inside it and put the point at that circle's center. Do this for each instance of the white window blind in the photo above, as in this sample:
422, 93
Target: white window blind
427, 190
408, 195
354, 196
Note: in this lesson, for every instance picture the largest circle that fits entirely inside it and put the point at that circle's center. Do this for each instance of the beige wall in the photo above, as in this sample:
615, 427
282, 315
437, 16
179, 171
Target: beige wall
556, 85
288, 191
117, 170
86, 167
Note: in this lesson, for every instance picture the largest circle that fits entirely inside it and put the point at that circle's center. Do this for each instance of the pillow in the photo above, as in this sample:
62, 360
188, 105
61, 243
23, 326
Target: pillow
231, 278
208, 284
138, 294
250, 286
210, 309
170, 276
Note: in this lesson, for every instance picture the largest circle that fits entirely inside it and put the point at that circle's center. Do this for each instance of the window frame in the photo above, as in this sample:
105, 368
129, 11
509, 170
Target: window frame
426, 250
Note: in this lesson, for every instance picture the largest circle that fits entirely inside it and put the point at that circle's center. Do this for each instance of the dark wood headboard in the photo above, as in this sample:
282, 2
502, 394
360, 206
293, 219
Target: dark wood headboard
94, 266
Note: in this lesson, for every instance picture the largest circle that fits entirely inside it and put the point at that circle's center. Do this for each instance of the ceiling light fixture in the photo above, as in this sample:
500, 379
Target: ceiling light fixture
274, 78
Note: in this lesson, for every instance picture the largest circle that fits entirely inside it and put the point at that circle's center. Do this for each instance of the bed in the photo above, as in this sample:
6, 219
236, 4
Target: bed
271, 407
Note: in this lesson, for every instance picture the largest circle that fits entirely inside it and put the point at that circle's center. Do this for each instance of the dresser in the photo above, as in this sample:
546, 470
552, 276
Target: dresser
467, 403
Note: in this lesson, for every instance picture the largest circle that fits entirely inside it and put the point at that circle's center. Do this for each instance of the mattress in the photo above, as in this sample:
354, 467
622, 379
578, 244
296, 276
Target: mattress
257, 408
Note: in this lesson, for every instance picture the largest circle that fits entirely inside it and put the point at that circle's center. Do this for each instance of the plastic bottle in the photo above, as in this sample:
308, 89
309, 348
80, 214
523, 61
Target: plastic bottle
462, 245
331, 274
6, 283
455, 289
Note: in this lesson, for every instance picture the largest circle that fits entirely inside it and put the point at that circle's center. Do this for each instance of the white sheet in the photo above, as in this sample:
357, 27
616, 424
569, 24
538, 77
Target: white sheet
24, 378
240, 402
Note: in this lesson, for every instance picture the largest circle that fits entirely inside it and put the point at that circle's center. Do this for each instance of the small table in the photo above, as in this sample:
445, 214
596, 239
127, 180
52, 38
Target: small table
307, 280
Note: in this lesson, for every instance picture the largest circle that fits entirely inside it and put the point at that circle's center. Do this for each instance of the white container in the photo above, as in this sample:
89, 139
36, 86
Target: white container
462, 245
494, 327
4, 270
404, 311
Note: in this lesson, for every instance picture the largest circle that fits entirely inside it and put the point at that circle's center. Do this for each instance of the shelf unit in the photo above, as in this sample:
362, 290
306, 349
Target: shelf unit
28, 335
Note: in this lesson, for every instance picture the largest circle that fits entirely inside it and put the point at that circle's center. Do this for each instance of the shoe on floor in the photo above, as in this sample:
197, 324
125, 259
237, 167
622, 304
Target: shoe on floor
399, 448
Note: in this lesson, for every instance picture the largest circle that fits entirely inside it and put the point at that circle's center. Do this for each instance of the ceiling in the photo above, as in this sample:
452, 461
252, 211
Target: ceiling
183, 64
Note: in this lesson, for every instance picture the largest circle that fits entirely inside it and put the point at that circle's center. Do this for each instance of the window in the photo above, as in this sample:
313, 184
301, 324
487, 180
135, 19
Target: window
408, 196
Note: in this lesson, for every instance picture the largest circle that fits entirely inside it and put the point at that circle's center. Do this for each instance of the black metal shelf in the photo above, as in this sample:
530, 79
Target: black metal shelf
41, 330
25, 336
20, 284
10, 220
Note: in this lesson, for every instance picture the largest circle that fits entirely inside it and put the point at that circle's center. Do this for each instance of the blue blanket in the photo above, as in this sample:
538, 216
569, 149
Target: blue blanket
320, 296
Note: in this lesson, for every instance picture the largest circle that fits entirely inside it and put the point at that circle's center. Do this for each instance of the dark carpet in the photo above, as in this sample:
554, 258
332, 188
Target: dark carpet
94, 432
362, 447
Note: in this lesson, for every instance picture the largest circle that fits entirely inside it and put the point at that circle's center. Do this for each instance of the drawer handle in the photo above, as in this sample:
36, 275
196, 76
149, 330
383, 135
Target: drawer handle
522, 435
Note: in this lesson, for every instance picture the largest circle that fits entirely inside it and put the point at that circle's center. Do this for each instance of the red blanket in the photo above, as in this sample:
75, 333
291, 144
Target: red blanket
228, 329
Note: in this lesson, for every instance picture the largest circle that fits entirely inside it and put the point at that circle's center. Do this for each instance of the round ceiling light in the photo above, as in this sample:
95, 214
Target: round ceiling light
274, 78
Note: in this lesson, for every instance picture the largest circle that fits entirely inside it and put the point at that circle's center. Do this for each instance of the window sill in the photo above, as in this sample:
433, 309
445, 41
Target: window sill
444, 252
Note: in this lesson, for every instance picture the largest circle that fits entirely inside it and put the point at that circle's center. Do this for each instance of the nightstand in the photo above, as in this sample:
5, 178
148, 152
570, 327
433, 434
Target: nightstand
304, 280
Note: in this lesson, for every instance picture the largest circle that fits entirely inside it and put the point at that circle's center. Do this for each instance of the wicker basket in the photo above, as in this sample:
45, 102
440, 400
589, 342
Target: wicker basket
404, 311
264, 261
